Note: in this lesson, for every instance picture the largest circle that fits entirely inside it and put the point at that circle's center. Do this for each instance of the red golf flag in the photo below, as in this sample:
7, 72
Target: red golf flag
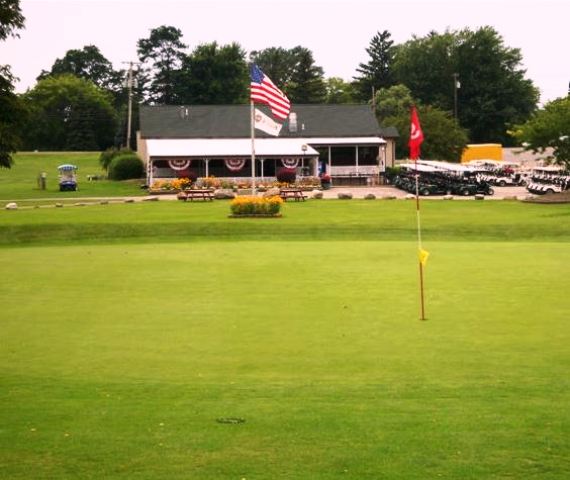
416, 135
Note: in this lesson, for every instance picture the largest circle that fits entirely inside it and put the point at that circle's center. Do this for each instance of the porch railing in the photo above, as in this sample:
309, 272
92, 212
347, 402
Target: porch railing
354, 170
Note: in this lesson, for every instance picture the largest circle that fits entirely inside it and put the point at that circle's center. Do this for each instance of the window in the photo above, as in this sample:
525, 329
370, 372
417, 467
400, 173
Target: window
343, 156
367, 155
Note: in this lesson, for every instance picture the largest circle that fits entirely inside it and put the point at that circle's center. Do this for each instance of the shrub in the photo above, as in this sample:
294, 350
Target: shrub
180, 183
188, 173
125, 167
286, 175
107, 156
191, 175
256, 205
211, 182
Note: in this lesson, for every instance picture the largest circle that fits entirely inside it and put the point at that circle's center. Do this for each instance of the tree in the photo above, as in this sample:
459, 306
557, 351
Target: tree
11, 18
214, 74
393, 101
294, 72
494, 93
162, 55
277, 63
12, 112
339, 91
425, 65
443, 138
69, 113
307, 83
90, 64
377, 73
549, 127
12, 118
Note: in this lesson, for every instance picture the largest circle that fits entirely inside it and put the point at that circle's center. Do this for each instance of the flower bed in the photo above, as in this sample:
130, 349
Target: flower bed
178, 184
256, 207
169, 186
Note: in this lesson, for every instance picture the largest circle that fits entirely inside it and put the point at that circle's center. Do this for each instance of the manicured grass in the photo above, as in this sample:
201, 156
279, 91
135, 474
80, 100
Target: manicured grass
20, 182
323, 220
119, 355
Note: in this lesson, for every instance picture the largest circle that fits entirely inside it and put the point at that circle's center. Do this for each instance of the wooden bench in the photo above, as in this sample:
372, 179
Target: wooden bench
202, 194
294, 193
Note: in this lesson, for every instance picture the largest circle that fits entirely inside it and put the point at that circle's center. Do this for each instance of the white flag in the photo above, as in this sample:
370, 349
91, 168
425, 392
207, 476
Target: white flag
266, 124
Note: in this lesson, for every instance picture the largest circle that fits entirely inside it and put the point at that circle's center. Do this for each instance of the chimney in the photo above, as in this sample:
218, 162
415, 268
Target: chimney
293, 122
184, 112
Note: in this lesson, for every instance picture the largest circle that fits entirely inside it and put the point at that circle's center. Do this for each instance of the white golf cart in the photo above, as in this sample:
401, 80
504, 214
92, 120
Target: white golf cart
67, 178
548, 180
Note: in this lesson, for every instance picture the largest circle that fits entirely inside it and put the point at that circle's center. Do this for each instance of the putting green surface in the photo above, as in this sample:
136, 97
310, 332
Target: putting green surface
277, 359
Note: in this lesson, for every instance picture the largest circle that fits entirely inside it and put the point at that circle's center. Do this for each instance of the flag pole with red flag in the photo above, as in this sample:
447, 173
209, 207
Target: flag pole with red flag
416, 139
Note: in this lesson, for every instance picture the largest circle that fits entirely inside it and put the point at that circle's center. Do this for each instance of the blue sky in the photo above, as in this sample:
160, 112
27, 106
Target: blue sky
337, 31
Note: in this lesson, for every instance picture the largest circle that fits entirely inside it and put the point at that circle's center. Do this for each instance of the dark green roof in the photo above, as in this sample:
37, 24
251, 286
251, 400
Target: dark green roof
233, 121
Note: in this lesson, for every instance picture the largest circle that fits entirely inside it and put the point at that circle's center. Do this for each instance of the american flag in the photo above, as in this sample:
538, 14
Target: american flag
263, 90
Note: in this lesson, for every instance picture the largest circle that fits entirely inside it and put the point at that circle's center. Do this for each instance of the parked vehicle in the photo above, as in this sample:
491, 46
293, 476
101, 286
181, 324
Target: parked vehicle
426, 189
548, 180
502, 178
471, 186
67, 178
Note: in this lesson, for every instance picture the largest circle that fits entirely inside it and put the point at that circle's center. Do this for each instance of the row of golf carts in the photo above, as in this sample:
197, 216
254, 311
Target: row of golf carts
441, 178
478, 177
540, 180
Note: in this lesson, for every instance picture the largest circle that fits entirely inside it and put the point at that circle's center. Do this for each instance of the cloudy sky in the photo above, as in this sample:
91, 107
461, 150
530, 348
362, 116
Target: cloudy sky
337, 31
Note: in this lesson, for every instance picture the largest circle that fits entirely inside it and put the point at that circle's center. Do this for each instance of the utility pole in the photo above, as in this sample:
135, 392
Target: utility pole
130, 82
456, 86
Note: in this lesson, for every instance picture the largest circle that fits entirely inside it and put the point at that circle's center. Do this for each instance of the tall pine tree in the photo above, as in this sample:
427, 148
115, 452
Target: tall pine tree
307, 83
377, 73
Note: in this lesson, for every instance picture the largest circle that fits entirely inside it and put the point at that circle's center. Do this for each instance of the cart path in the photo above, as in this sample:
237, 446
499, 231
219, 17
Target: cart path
357, 192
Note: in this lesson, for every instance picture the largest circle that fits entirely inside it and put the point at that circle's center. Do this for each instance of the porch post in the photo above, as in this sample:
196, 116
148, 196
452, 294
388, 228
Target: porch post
330, 161
262, 160
207, 160
356, 157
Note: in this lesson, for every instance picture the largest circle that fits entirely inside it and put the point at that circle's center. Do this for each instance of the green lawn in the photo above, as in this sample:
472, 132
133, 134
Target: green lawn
20, 181
130, 330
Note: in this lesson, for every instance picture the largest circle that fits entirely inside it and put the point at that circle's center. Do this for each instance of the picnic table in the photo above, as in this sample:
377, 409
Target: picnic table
294, 193
200, 194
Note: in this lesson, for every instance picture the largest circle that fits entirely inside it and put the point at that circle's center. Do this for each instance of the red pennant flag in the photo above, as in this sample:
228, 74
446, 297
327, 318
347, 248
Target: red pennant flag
416, 135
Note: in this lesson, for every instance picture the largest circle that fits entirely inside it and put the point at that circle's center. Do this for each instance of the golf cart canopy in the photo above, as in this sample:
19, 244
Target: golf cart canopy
420, 167
66, 167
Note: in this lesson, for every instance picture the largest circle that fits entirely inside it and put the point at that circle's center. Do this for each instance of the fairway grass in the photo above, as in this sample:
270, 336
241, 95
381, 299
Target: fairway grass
169, 221
122, 357
20, 181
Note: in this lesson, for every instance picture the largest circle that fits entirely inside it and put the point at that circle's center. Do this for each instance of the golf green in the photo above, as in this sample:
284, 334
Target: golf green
272, 358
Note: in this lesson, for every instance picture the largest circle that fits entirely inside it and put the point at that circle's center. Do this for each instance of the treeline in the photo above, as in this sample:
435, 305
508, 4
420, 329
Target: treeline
468, 86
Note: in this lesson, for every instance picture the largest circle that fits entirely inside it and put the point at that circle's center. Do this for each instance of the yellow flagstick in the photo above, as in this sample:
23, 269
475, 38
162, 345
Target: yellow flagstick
422, 254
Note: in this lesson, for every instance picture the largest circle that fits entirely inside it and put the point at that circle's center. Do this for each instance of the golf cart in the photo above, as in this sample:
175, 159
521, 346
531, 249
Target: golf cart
548, 180
67, 178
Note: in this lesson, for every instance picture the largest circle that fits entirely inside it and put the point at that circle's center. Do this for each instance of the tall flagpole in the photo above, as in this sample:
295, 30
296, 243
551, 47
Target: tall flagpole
420, 249
252, 120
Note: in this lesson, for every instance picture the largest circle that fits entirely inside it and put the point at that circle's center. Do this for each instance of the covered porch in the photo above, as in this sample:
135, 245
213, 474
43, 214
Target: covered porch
352, 161
228, 158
